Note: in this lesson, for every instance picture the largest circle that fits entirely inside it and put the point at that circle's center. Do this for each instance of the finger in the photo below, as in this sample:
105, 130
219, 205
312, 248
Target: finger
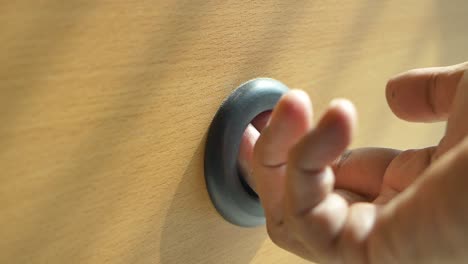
249, 138
424, 95
457, 126
309, 177
430, 216
361, 171
315, 213
350, 196
290, 120
351, 242
403, 171
322, 225
407, 166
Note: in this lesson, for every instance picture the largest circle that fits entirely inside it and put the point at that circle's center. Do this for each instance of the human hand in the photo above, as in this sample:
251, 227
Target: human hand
367, 205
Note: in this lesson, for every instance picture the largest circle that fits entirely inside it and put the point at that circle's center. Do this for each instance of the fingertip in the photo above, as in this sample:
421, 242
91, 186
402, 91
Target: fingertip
390, 91
346, 107
328, 140
404, 91
290, 120
391, 94
295, 103
345, 115
300, 95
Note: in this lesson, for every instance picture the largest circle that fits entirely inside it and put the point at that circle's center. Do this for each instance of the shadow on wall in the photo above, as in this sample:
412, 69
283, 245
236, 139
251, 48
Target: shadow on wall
58, 20
87, 162
212, 239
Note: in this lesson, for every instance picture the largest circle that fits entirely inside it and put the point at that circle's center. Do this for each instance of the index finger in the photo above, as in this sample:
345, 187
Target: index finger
290, 120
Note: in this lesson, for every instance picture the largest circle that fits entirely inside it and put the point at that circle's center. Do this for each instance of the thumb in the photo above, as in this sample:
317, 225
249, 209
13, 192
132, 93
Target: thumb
427, 222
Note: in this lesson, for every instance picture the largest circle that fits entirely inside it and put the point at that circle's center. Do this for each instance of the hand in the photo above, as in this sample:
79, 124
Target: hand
367, 205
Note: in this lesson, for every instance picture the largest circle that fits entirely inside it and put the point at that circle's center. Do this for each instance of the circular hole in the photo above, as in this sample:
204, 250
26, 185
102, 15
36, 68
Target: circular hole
245, 158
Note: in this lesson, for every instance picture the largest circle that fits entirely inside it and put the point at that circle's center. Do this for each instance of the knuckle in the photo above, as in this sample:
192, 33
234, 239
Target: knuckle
276, 233
463, 155
294, 152
312, 219
324, 224
464, 66
406, 155
464, 78
460, 72
273, 232
343, 158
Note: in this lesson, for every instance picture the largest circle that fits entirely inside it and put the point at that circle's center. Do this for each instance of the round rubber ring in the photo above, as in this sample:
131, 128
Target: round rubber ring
231, 196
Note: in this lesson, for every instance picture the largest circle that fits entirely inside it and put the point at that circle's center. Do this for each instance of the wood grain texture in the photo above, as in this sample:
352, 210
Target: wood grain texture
104, 106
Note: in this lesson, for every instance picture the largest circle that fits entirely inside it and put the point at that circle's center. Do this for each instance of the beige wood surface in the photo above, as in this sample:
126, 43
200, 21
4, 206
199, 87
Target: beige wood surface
104, 107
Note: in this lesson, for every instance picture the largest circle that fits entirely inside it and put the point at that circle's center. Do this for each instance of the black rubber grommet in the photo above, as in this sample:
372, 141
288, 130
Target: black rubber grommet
232, 197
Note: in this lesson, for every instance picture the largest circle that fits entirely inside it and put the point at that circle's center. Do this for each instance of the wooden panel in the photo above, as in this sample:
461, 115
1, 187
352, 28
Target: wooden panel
104, 106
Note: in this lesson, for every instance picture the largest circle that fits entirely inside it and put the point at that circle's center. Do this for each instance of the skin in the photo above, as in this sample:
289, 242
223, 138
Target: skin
369, 205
